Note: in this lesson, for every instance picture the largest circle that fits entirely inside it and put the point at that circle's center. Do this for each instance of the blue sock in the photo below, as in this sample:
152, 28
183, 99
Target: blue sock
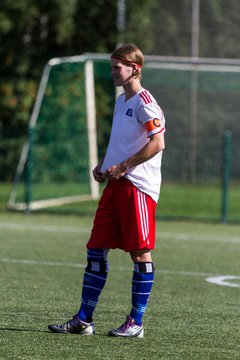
93, 282
142, 282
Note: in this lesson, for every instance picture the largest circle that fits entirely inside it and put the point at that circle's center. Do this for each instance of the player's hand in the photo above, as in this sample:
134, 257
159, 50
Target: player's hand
115, 172
98, 176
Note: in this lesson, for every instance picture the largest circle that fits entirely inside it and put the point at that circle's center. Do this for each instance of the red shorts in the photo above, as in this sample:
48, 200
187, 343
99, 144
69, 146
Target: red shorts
125, 218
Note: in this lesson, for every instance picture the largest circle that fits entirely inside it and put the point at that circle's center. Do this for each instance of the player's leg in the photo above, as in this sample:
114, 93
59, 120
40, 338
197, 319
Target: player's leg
139, 220
142, 282
93, 283
103, 237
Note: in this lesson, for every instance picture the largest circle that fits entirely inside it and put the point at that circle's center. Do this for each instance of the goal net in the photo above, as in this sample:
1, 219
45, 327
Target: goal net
61, 150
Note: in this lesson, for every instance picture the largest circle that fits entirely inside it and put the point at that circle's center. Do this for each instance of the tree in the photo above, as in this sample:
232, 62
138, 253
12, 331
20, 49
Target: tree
171, 22
139, 27
220, 31
31, 32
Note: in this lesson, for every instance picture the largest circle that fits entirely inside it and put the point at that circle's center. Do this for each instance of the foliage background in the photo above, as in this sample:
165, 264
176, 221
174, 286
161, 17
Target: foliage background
33, 31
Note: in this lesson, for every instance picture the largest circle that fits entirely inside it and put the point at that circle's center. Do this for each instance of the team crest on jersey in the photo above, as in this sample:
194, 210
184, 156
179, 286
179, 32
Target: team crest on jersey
129, 112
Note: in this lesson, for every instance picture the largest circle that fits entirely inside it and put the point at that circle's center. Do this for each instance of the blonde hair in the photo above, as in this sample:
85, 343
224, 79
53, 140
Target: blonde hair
130, 55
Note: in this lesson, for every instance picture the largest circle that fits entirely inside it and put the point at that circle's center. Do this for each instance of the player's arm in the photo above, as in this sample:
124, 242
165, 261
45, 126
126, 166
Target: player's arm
155, 145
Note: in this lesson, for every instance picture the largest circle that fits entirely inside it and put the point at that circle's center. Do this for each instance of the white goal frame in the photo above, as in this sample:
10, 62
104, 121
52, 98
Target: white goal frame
91, 131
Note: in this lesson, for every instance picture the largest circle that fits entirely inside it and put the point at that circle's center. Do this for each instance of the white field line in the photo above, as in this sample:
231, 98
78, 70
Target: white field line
78, 265
40, 263
199, 237
45, 228
85, 230
223, 280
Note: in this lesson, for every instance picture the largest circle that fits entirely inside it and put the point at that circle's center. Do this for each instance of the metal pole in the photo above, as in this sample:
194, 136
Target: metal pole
193, 125
91, 126
226, 163
28, 184
194, 90
195, 28
121, 20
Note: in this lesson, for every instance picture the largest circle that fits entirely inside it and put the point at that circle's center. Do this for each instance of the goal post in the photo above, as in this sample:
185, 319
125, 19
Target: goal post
56, 162
91, 124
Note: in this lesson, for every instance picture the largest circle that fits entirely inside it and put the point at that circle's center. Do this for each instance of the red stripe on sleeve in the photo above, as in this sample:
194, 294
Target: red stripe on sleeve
146, 97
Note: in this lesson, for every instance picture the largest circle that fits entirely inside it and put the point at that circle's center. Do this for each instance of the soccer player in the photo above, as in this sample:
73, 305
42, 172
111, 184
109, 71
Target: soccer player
125, 217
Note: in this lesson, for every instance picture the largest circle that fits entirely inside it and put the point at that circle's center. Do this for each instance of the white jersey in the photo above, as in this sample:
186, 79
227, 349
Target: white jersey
134, 121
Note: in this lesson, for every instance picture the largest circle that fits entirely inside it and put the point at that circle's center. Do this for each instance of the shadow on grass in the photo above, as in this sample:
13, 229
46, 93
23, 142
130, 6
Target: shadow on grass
23, 330
48, 332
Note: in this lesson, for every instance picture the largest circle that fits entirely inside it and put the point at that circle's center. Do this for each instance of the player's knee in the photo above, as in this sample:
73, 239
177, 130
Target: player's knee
97, 260
143, 255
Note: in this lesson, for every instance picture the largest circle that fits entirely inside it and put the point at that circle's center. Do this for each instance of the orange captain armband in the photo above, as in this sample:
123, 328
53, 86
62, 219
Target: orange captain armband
154, 126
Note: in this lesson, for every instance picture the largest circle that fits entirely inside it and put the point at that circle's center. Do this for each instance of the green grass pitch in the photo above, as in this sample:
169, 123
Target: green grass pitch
42, 260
